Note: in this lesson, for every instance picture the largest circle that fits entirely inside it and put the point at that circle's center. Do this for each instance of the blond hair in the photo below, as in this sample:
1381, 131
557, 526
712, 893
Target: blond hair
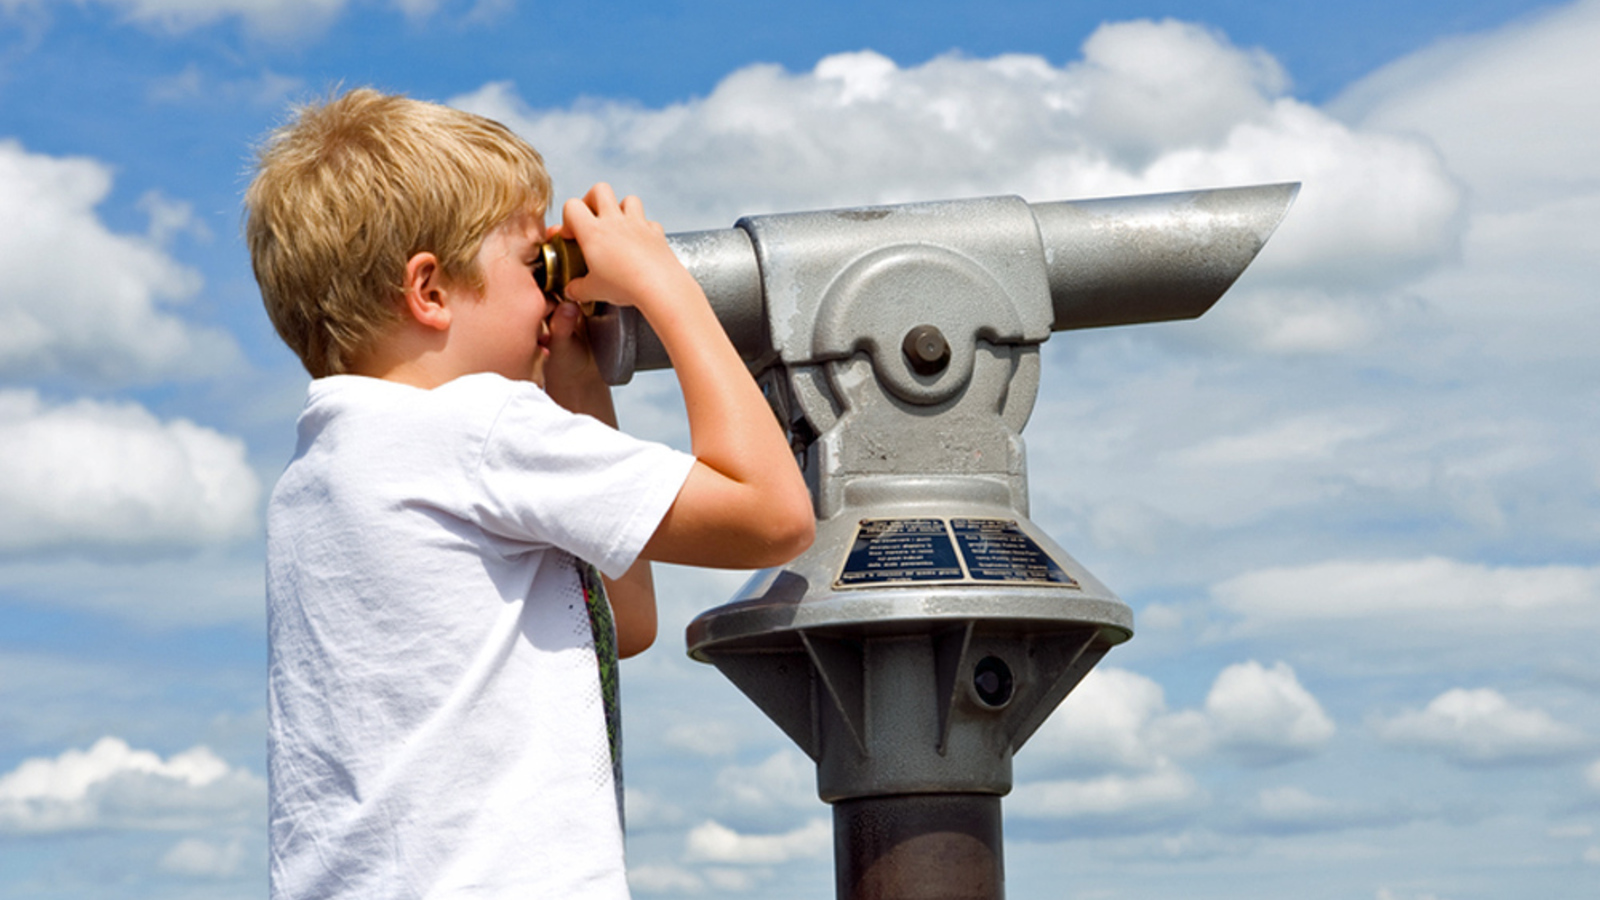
349, 190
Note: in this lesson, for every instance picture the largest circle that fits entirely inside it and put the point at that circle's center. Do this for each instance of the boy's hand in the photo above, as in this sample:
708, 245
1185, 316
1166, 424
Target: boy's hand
629, 260
571, 377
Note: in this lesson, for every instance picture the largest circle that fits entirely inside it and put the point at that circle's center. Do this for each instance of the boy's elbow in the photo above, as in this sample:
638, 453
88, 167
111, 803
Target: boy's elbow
635, 642
792, 533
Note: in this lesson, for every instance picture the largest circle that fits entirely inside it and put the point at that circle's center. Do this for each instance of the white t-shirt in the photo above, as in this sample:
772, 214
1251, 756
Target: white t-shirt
435, 722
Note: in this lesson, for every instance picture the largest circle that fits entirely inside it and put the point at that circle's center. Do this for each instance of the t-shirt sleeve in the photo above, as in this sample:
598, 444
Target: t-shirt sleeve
552, 477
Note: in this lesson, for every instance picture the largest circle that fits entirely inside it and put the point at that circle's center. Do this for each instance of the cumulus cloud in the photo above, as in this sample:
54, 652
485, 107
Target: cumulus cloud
1114, 719
1117, 729
1481, 727
1118, 719
1151, 106
716, 843
113, 475
82, 299
112, 785
1264, 716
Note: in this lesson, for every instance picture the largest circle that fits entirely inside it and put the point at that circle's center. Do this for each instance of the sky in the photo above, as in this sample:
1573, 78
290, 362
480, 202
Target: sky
1355, 508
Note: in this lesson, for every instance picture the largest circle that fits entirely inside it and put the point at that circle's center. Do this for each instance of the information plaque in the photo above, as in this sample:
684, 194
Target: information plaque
947, 551
900, 550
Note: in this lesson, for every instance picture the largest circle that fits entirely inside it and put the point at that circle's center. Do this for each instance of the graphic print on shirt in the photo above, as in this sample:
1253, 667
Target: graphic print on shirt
605, 654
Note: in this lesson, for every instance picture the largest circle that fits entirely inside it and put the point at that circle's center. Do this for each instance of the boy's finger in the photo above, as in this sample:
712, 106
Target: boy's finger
573, 210
601, 196
565, 321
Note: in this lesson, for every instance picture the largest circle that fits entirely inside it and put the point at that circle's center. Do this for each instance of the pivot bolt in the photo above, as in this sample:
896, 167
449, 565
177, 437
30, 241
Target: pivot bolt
926, 350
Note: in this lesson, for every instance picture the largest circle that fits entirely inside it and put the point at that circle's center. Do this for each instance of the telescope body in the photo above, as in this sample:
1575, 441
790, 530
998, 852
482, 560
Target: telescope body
932, 627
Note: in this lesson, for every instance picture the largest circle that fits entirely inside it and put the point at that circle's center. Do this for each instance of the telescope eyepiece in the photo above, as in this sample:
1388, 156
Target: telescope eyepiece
559, 262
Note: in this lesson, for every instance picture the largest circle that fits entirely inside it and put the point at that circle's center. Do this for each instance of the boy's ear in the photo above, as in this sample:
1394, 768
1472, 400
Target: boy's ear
425, 291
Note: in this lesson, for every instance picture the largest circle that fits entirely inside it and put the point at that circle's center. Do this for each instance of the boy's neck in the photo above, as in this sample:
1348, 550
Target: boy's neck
409, 355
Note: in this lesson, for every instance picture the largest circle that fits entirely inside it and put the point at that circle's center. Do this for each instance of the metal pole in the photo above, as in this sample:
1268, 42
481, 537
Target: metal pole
919, 847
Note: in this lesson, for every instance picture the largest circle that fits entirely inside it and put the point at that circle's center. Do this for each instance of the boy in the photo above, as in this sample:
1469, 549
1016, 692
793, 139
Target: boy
438, 724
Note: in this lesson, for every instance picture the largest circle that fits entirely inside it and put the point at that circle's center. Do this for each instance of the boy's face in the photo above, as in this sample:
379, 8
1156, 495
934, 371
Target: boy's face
504, 329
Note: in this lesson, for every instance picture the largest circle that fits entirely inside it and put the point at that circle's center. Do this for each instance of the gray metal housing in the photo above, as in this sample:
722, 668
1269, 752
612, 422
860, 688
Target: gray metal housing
932, 627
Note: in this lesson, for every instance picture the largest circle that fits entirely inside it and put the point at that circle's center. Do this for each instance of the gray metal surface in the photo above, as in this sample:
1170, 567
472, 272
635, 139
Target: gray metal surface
1154, 258
932, 627
1109, 261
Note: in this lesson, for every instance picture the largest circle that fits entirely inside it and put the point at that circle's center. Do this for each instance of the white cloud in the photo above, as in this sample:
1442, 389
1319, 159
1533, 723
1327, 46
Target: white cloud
1118, 719
653, 878
1591, 775
265, 89
1116, 729
112, 785
1117, 723
703, 738
281, 20
1162, 791
717, 843
1501, 109
647, 809
1438, 593
1111, 720
1289, 809
1151, 106
1518, 81
80, 298
196, 858
1481, 727
273, 18
207, 586
1302, 439
113, 475
736, 881
785, 780
1264, 715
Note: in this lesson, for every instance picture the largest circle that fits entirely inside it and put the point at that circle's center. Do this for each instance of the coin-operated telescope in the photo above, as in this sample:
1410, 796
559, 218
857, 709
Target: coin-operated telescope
932, 627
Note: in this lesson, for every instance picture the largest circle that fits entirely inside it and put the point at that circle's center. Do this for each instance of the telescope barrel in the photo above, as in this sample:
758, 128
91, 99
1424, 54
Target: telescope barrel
1155, 258
1113, 261
724, 262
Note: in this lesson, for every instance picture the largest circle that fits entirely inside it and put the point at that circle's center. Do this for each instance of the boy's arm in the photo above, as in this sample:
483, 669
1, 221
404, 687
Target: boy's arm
633, 608
573, 380
744, 504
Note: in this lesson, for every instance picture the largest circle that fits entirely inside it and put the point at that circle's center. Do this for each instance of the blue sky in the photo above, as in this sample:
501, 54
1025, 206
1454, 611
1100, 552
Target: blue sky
1356, 508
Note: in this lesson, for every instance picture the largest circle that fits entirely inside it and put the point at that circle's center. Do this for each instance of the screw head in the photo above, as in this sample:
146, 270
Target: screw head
926, 350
